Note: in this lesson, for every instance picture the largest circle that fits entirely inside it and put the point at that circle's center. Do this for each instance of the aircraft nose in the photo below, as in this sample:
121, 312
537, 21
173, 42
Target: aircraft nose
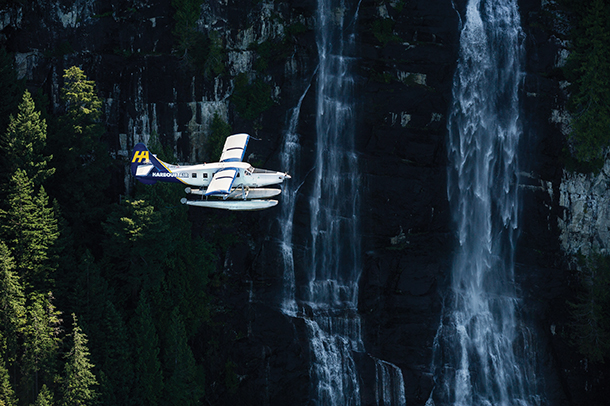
286, 176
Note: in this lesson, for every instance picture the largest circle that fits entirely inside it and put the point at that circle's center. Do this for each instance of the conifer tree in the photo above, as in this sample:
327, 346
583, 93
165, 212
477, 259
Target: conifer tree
41, 343
24, 141
89, 294
182, 387
136, 247
81, 159
29, 228
45, 397
115, 359
12, 305
7, 394
79, 380
148, 375
588, 69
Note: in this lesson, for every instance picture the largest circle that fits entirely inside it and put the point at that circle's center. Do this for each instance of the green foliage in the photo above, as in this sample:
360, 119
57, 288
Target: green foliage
24, 141
214, 61
148, 374
136, 261
251, 99
187, 14
79, 94
383, 77
41, 343
136, 247
45, 397
205, 54
65, 48
80, 158
29, 228
182, 386
12, 306
296, 29
78, 387
115, 357
383, 30
588, 69
231, 379
591, 310
219, 131
7, 394
269, 52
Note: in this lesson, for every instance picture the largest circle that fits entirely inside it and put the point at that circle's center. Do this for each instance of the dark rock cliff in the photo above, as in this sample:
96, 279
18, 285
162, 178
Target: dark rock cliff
404, 77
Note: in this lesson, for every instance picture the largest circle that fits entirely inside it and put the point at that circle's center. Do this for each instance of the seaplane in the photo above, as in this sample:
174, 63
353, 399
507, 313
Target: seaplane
229, 184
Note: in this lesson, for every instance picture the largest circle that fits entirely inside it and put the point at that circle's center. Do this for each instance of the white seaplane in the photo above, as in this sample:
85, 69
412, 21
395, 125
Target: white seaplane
229, 184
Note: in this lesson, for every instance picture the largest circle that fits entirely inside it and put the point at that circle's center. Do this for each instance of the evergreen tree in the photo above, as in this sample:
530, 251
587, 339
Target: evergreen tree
590, 312
182, 387
89, 291
79, 380
148, 375
24, 141
135, 248
7, 394
115, 359
45, 397
588, 69
41, 343
30, 229
181, 263
81, 159
11, 89
12, 305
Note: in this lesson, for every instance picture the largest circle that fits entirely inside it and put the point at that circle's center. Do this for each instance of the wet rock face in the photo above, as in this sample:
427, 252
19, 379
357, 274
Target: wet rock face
405, 215
404, 71
585, 224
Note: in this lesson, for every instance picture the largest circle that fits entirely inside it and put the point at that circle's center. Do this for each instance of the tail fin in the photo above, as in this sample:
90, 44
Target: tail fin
146, 168
140, 158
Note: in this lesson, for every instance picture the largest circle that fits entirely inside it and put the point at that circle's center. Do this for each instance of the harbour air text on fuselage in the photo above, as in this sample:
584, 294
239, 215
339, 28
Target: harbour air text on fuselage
228, 184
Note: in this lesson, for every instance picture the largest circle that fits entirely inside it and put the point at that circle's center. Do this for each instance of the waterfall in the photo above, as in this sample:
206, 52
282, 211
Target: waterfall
290, 163
482, 355
333, 268
325, 296
389, 389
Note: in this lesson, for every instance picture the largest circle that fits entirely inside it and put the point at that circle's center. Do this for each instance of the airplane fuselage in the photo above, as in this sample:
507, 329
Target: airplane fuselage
200, 175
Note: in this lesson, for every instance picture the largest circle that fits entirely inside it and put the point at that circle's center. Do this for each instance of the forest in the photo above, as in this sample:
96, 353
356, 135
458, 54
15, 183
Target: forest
104, 297
99, 299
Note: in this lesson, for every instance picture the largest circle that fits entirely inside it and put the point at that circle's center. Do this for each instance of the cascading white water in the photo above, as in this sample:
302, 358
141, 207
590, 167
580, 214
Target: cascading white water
290, 162
390, 388
481, 356
331, 292
326, 296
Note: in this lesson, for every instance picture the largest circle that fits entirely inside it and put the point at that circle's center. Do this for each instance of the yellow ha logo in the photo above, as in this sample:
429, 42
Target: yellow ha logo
140, 156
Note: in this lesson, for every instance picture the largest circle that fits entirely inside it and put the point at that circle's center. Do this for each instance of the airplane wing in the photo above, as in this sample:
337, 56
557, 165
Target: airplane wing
234, 148
221, 182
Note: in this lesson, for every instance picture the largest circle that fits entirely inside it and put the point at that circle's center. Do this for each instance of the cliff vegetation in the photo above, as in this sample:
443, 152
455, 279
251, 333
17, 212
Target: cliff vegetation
588, 71
99, 300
